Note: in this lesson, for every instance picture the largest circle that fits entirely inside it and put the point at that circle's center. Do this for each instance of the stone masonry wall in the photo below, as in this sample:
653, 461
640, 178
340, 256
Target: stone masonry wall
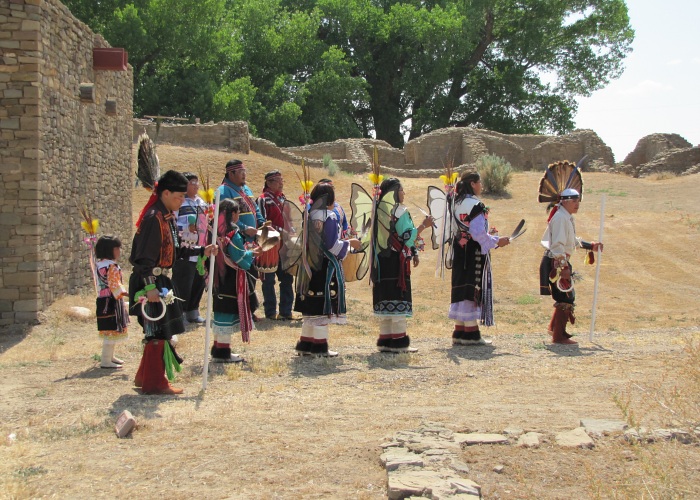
56, 151
232, 136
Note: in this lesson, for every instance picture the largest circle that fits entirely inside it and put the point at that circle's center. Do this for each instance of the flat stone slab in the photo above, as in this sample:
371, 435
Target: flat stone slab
530, 440
576, 438
459, 466
413, 483
602, 426
394, 458
479, 438
466, 486
667, 434
431, 443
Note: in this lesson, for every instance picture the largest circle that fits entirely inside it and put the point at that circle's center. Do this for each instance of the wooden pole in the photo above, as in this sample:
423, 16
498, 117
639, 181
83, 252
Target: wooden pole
597, 268
210, 287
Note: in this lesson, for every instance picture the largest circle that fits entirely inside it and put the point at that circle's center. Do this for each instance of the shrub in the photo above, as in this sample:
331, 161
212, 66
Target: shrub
330, 165
495, 173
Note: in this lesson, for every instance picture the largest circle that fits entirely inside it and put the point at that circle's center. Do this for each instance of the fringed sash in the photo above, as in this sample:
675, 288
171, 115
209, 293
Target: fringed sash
486, 292
334, 269
404, 260
244, 312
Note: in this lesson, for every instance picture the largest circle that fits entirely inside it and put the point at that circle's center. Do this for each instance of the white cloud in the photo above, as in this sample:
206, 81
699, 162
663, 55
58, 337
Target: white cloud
645, 88
696, 60
674, 62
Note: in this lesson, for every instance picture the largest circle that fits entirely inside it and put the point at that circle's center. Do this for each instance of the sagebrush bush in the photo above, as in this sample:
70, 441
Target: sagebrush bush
495, 173
330, 165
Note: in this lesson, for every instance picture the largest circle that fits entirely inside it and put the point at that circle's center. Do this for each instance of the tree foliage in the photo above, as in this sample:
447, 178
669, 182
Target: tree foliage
316, 70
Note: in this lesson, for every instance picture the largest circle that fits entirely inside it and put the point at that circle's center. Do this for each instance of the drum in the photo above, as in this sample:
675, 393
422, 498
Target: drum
351, 266
267, 261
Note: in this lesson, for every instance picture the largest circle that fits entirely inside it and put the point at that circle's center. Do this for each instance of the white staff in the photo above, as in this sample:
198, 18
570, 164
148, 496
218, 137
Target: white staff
597, 266
212, 259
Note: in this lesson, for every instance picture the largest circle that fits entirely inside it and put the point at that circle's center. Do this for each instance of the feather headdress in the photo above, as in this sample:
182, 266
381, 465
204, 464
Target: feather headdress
147, 171
558, 177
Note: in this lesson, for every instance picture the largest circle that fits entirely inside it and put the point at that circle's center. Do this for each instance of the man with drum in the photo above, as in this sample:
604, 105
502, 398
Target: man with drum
234, 187
270, 204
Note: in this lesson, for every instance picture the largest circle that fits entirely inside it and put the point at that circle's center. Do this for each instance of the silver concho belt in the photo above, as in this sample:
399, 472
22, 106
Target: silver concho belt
157, 271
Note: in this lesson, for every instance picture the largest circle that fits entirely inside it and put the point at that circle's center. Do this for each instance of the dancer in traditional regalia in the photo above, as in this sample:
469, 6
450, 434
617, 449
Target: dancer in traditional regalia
320, 281
271, 203
394, 249
562, 188
188, 274
234, 287
471, 300
234, 187
112, 316
155, 247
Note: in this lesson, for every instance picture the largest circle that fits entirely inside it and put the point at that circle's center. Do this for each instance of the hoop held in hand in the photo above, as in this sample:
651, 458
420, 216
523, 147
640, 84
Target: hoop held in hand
143, 310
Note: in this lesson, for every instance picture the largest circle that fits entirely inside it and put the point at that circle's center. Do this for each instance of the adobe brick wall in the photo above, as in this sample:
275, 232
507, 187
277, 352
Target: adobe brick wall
56, 150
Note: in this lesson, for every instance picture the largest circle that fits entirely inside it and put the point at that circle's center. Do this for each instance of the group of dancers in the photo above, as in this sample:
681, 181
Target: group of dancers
315, 240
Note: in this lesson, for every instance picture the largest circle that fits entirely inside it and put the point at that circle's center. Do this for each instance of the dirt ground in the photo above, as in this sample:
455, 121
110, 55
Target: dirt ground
285, 427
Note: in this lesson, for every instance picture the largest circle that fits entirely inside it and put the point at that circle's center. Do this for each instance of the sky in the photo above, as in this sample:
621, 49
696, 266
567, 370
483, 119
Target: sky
659, 90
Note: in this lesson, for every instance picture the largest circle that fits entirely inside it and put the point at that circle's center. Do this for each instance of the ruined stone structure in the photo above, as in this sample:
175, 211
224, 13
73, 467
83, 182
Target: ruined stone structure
65, 137
465, 145
658, 153
650, 146
232, 136
426, 155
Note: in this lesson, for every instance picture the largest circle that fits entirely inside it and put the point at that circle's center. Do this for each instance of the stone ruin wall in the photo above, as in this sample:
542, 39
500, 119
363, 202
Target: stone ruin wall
463, 146
224, 135
424, 156
56, 150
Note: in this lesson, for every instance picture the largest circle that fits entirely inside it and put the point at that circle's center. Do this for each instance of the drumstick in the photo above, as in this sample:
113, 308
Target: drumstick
426, 214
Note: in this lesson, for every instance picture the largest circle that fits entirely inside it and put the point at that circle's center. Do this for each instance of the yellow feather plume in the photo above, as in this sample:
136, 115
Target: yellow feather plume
448, 180
90, 227
306, 186
207, 195
376, 179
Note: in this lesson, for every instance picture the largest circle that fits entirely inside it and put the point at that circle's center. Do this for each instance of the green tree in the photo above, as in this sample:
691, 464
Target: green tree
507, 65
305, 90
175, 48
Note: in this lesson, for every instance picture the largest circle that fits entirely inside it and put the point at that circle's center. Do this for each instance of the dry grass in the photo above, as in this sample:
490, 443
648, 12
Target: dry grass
282, 426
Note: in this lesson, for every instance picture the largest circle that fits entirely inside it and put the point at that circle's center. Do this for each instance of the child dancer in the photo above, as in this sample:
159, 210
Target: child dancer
112, 317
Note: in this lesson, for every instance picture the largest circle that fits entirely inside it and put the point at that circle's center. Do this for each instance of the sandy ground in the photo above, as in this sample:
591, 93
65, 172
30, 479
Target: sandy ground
285, 427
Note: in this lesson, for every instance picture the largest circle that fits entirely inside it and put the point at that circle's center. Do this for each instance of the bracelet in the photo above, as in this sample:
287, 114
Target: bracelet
150, 287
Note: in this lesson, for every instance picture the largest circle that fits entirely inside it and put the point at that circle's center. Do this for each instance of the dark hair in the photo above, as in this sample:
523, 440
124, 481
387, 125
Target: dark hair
172, 181
229, 207
104, 248
189, 176
325, 181
233, 163
390, 185
464, 185
326, 190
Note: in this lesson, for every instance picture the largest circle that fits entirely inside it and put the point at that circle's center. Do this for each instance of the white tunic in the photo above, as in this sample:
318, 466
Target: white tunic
560, 236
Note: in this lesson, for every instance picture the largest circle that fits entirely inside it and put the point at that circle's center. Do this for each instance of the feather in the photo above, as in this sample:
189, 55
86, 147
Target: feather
148, 170
558, 177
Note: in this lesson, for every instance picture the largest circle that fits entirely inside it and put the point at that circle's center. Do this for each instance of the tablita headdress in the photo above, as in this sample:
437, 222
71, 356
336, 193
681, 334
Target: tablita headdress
559, 177
147, 171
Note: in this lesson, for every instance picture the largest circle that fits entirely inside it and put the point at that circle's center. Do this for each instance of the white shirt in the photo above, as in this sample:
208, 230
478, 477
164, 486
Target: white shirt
560, 236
